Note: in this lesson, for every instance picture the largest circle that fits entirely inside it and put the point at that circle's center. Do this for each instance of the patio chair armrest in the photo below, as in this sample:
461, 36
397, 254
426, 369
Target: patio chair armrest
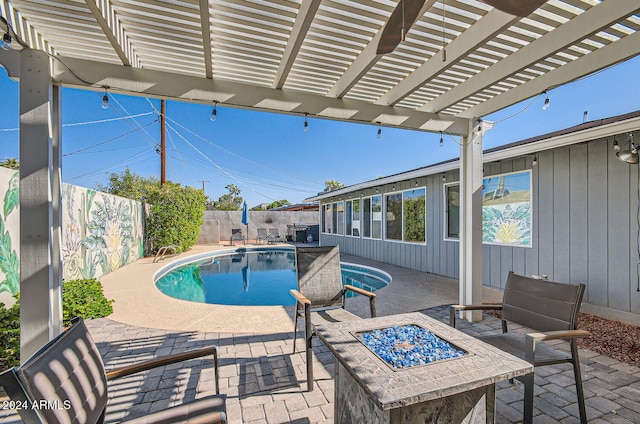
166, 360
299, 297
484, 307
532, 338
359, 290
370, 295
555, 335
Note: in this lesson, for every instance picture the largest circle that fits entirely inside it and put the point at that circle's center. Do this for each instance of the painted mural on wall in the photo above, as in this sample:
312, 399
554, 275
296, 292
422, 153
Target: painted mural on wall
506, 209
100, 232
9, 232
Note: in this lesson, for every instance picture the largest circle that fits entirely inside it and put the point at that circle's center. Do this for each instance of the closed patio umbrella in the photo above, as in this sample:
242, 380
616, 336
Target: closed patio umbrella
245, 217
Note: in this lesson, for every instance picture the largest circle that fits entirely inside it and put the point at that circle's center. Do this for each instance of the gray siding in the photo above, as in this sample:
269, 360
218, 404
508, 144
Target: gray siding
585, 227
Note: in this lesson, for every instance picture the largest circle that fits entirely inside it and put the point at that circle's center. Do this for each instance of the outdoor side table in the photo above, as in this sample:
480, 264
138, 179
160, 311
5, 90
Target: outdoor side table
457, 390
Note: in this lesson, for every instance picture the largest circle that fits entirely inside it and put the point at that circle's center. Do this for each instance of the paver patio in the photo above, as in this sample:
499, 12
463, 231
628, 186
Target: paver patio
265, 382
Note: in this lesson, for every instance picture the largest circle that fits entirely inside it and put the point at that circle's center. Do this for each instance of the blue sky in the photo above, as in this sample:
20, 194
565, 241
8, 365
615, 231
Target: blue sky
269, 156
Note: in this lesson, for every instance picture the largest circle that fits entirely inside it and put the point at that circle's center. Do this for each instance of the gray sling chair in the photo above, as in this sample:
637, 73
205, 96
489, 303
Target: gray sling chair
320, 295
551, 309
68, 374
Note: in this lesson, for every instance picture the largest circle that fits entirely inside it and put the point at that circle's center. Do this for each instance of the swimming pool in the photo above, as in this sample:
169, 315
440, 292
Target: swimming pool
251, 277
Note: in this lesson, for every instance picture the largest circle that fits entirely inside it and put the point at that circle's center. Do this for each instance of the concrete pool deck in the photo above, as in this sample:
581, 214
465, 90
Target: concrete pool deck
138, 302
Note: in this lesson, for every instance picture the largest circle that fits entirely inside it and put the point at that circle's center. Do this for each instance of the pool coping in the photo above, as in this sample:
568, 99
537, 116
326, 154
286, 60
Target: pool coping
385, 277
138, 302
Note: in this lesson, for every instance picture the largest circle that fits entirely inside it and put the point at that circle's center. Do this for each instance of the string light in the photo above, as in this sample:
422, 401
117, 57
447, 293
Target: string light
379, 133
547, 101
441, 140
214, 112
616, 146
534, 162
306, 123
105, 98
6, 41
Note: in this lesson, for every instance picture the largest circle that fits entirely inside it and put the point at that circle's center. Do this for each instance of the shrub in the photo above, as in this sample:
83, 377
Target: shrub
10, 334
80, 298
176, 216
85, 299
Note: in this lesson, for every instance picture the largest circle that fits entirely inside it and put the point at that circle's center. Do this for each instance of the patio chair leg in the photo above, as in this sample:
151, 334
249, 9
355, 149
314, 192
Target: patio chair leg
308, 334
295, 327
528, 381
578, 377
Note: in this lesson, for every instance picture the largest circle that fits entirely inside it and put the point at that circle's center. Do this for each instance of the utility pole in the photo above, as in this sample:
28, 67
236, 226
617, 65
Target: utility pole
163, 145
203, 181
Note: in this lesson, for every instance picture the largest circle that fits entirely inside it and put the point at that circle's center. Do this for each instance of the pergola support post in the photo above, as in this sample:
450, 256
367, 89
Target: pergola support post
471, 175
40, 218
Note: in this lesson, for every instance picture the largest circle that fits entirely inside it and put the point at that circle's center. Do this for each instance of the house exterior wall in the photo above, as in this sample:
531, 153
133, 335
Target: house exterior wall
585, 227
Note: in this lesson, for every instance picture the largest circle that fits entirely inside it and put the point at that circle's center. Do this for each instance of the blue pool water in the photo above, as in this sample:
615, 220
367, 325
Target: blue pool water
258, 277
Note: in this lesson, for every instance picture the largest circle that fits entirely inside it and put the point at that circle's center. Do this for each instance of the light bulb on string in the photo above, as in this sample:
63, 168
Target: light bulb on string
441, 140
306, 123
547, 101
105, 99
6, 41
214, 112
379, 133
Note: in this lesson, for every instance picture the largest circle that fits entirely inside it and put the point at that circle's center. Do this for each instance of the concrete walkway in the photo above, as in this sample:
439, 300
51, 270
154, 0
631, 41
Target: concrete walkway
266, 383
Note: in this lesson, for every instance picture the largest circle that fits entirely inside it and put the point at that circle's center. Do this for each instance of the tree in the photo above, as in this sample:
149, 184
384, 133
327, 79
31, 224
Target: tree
11, 163
278, 203
176, 212
231, 201
331, 185
130, 185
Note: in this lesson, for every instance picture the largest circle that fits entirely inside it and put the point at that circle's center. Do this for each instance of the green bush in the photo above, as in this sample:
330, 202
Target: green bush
80, 298
176, 216
10, 334
85, 299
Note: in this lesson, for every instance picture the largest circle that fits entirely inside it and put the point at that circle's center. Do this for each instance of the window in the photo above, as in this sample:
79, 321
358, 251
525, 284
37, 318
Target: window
366, 217
452, 211
348, 210
393, 219
356, 219
376, 217
372, 217
414, 215
327, 219
339, 214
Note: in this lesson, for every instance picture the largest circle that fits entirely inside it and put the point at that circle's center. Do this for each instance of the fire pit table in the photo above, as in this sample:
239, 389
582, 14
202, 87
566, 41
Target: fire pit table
411, 368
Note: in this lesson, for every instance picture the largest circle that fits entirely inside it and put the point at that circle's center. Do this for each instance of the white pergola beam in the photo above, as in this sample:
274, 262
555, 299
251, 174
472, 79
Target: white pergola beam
104, 14
477, 35
306, 14
150, 83
206, 38
613, 53
593, 20
364, 62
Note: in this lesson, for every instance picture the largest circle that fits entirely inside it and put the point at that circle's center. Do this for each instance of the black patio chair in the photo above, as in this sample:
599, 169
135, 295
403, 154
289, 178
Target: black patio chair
262, 236
67, 376
551, 309
236, 235
320, 297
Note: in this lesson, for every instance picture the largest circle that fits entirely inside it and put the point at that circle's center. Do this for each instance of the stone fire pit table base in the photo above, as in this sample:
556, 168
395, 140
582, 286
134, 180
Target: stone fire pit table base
354, 405
458, 390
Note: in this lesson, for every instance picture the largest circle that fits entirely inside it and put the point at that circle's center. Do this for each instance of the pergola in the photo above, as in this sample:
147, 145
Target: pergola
461, 60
